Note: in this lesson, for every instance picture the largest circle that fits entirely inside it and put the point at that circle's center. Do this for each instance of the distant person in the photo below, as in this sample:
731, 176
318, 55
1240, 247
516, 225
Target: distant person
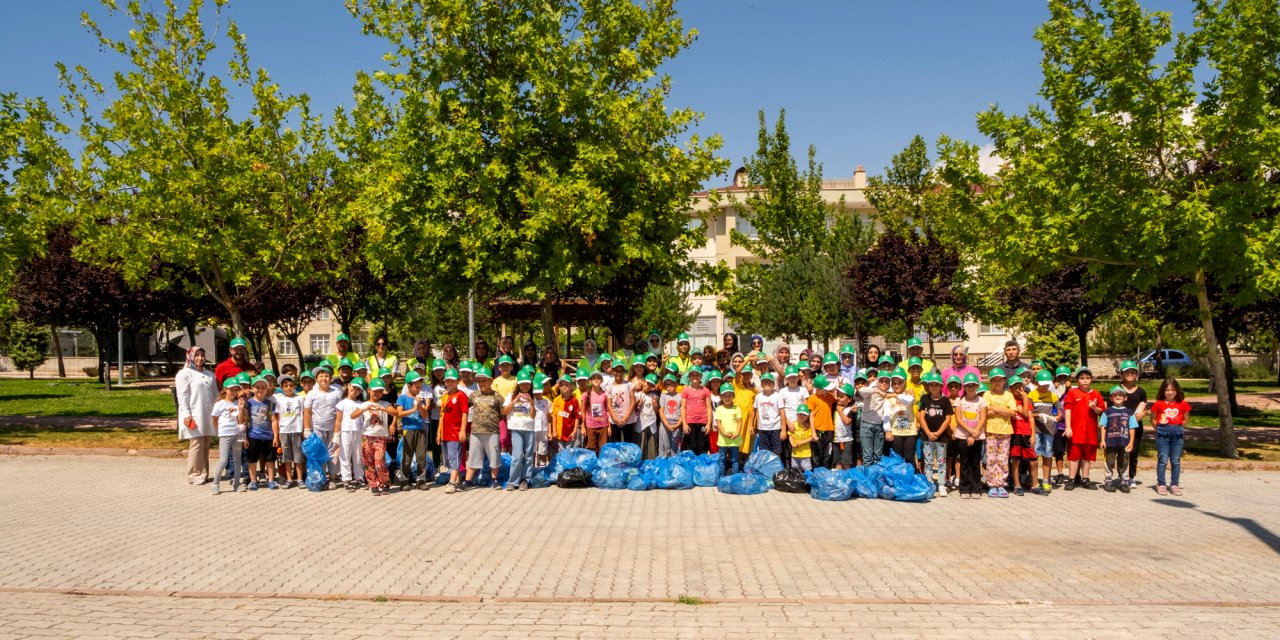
197, 391
1170, 414
236, 363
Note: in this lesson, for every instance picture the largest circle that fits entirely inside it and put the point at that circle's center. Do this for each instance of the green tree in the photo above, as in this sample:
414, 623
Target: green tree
1130, 160
536, 153
665, 309
177, 177
1055, 343
27, 345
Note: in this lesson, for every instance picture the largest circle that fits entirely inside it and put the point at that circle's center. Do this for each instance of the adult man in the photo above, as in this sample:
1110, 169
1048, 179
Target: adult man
238, 362
1012, 356
344, 351
915, 349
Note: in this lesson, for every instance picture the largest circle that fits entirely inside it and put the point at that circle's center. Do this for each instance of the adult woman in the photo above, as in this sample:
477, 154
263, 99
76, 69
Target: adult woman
529, 355
382, 358
870, 355
730, 343
449, 354
590, 356
550, 365
197, 392
959, 364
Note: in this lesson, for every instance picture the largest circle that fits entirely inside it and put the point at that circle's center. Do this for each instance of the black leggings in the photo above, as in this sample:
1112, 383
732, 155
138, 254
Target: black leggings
905, 446
696, 441
970, 465
1137, 446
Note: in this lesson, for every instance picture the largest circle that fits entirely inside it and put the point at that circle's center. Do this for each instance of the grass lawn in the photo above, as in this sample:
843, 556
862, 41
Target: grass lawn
1266, 449
81, 398
91, 437
1194, 387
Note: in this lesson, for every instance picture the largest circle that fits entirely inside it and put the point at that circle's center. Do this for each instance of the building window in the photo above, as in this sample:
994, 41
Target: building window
744, 226
320, 343
284, 347
990, 329
360, 342
323, 314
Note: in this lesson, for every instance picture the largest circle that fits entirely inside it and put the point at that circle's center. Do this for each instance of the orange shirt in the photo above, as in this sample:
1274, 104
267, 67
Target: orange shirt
821, 413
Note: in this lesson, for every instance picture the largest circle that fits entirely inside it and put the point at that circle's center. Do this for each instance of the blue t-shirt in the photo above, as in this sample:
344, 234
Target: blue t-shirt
1117, 421
413, 421
260, 419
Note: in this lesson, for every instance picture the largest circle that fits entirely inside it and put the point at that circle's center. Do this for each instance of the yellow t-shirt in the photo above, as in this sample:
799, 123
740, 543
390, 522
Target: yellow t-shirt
504, 386
729, 424
801, 433
745, 399
997, 425
918, 391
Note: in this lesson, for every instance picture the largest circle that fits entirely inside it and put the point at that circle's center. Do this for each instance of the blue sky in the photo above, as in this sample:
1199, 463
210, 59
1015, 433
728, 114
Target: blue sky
858, 78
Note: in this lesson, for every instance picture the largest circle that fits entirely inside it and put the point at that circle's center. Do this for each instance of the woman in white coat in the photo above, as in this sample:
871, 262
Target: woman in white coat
197, 392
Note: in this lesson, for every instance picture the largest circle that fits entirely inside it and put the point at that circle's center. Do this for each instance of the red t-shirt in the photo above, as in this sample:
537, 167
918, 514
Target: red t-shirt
1170, 413
1084, 424
570, 418
226, 369
452, 407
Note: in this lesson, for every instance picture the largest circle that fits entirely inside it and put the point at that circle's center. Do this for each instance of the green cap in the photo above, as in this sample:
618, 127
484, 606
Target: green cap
821, 382
230, 382
848, 348
439, 364
316, 371
768, 375
802, 410
418, 364
915, 361
847, 389
342, 337
377, 385
1084, 369
651, 356
651, 378
667, 378
306, 373
529, 368
345, 362
1020, 371
597, 374
412, 377
357, 382
1118, 389
1016, 381
1062, 370
467, 366
791, 371
484, 372
359, 365
1040, 362
524, 376
714, 374
638, 359
1044, 378
997, 372
540, 379
581, 374
914, 342
326, 365
830, 358
239, 342
886, 359
451, 374
606, 357
243, 379
566, 380
899, 374
954, 378
267, 373
971, 378
730, 374
683, 337
726, 388
872, 373
506, 359
932, 377
1128, 365
861, 374
983, 388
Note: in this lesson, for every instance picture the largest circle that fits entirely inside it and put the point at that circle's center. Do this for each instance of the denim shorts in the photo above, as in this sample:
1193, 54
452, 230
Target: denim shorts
1044, 445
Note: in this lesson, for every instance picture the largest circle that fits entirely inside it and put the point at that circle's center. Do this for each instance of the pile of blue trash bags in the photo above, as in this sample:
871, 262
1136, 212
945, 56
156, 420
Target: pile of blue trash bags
890, 479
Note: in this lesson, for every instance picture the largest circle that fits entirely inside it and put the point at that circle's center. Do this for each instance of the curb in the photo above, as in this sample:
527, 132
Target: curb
118, 452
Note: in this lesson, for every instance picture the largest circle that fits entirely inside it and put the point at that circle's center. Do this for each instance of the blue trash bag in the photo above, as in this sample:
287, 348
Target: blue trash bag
675, 473
640, 482
612, 477
484, 477
707, 469
893, 463
317, 463
685, 455
541, 478
620, 454
918, 489
863, 485
899, 476
743, 484
763, 462
576, 458
828, 484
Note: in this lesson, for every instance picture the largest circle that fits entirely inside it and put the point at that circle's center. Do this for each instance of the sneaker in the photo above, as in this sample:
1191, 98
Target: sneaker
215, 490
242, 488
443, 470
1135, 482
1109, 487
1046, 488
993, 493
1124, 487
1019, 492
293, 484
1002, 493
464, 486
942, 490
1089, 484
524, 485
1161, 490
497, 485
1038, 491
1175, 490
406, 486
451, 488
511, 486
253, 486
273, 485
1069, 485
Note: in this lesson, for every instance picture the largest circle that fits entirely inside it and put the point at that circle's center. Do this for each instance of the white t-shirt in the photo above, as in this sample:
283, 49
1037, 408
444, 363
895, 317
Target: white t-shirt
376, 423
350, 424
468, 388
521, 416
323, 406
289, 408
541, 413
434, 393
620, 398
646, 406
227, 414
844, 432
769, 411
792, 399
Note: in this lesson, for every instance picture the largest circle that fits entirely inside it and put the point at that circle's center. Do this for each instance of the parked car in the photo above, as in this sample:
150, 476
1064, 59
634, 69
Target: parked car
1170, 358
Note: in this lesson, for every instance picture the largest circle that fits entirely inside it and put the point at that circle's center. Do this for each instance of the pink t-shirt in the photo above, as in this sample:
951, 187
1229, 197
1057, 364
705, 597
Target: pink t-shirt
695, 403
596, 415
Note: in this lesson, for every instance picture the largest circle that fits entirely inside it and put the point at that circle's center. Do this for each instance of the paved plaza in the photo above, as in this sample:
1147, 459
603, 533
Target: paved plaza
110, 547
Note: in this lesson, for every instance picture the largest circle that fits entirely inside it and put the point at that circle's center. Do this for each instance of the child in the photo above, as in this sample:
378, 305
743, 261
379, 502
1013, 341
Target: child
349, 432
767, 409
745, 388
622, 405
669, 418
801, 438
1082, 407
845, 419
793, 396
542, 393
307, 380
485, 413
999, 429
728, 418
289, 417
822, 405
320, 414
433, 389
1118, 427
935, 416
1136, 400
467, 377
1021, 450
596, 414
1061, 385
875, 409
695, 412
1170, 415
452, 432
902, 426
969, 436
226, 412
379, 426
1045, 406
412, 409
518, 409
257, 413
647, 427
566, 418
582, 380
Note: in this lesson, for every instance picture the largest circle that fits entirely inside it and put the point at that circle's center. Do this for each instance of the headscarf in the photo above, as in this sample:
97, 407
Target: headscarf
191, 357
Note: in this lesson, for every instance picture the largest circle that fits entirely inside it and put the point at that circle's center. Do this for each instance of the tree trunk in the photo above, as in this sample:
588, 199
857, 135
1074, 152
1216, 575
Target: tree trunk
1226, 427
57, 347
1082, 335
271, 350
237, 321
191, 335
297, 348
104, 347
1224, 341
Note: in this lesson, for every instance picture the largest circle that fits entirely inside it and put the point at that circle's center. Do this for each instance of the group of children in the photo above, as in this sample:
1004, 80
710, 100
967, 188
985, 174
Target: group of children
1004, 435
